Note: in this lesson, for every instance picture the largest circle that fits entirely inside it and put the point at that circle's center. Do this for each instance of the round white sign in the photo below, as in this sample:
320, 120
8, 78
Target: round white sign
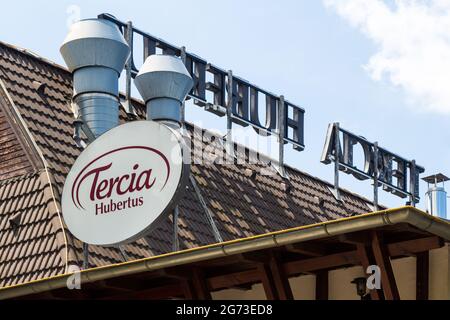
124, 182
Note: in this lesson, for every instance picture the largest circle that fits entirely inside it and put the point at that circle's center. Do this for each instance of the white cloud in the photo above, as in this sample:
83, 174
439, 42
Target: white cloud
413, 45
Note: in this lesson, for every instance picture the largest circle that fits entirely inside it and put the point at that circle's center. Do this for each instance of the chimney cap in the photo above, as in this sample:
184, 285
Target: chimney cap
436, 178
163, 76
95, 42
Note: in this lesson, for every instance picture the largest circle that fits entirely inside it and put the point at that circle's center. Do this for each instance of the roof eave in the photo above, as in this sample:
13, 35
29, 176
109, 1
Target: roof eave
408, 214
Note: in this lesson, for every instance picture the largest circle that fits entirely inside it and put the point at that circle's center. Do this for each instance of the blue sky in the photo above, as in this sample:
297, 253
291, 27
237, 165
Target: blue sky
362, 63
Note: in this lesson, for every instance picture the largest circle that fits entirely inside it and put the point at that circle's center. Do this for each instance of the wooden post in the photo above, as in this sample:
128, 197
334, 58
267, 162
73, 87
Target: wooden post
188, 290
267, 282
200, 286
322, 285
422, 275
365, 262
381, 255
280, 278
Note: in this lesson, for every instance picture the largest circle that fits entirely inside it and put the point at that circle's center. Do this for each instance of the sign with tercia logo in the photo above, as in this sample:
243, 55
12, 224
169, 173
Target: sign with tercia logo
124, 182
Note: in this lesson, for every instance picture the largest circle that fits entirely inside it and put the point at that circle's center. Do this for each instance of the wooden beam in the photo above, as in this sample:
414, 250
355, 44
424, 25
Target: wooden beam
200, 285
121, 283
293, 268
267, 282
58, 294
322, 285
156, 293
119, 287
411, 247
254, 257
355, 238
188, 290
364, 259
422, 275
179, 273
405, 227
280, 278
381, 255
234, 279
307, 248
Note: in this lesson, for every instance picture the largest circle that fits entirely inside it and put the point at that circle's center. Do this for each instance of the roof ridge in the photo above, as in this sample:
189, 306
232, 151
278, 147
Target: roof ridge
20, 129
34, 55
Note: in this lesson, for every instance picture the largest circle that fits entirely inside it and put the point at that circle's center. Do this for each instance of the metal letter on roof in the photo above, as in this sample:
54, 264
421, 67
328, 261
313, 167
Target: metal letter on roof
382, 166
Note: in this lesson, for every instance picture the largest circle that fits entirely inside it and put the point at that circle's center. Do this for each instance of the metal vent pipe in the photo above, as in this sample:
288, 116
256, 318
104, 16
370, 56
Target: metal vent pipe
164, 82
436, 196
96, 52
437, 201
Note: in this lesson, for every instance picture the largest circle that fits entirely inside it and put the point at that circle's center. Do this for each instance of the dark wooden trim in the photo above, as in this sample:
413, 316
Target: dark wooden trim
412, 247
322, 285
179, 273
254, 257
293, 268
381, 256
116, 285
156, 293
307, 249
355, 238
422, 275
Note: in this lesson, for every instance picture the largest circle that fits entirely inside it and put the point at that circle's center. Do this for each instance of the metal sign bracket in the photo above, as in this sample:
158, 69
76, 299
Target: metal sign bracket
380, 165
337, 148
281, 134
128, 106
208, 213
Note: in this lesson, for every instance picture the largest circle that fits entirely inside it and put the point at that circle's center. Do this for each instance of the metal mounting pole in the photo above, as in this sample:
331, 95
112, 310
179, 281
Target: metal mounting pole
229, 143
176, 211
85, 256
375, 176
337, 151
123, 253
208, 213
176, 242
412, 183
128, 66
183, 106
281, 134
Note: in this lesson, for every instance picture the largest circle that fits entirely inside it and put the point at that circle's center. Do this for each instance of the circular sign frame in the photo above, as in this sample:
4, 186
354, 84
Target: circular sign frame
125, 183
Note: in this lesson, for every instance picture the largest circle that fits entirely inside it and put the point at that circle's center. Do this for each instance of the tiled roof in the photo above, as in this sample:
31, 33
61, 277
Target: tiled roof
13, 161
243, 200
30, 233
